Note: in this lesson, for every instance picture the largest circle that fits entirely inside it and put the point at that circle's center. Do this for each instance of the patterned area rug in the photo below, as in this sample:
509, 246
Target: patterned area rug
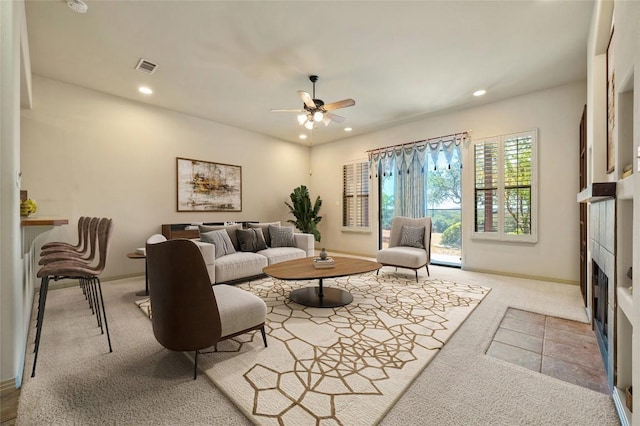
345, 365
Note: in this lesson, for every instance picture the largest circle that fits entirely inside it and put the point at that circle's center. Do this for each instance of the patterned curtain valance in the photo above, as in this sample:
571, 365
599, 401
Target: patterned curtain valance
404, 154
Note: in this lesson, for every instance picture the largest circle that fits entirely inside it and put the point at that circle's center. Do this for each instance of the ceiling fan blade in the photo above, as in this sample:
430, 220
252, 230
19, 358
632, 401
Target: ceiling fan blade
340, 104
307, 99
333, 117
286, 110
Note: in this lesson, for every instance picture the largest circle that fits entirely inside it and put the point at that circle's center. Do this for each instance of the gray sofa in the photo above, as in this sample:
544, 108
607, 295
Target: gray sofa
245, 264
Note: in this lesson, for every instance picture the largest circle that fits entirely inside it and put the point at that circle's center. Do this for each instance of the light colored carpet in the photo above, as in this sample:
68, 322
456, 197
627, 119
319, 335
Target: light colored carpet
140, 383
344, 365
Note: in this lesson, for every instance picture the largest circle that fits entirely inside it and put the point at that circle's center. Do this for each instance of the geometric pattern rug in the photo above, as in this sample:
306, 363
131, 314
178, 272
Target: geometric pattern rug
338, 366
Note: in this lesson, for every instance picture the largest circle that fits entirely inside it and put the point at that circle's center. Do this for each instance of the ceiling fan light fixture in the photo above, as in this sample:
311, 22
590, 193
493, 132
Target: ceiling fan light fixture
77, 6
309, 124
301, 119
318, 116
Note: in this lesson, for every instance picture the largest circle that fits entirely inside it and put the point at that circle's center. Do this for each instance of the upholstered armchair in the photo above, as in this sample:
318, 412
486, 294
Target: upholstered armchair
409, 244
187, 313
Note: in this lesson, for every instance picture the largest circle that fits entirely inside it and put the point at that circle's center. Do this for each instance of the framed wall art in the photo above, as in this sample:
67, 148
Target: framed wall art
207, 186
611, 105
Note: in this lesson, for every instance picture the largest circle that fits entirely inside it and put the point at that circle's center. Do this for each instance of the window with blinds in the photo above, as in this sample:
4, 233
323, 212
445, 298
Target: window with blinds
504, 187
355, 194
486, 186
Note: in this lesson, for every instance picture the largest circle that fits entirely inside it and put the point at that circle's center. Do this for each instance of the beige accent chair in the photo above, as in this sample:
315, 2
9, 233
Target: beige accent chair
187, 313
403, 256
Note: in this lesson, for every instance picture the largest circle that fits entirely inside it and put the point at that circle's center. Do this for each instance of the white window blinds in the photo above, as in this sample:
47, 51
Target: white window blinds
355, 195
505, 187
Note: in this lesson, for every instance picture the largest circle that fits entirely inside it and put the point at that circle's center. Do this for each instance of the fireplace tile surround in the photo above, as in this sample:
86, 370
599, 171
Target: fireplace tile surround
603, 254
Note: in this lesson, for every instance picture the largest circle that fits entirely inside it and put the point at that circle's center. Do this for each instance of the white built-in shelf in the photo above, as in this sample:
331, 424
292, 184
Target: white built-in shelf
624, 189
625, 301
620, 400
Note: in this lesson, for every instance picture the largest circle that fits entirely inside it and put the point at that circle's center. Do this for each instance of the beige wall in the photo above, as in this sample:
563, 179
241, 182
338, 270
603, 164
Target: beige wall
87, 153
554, 112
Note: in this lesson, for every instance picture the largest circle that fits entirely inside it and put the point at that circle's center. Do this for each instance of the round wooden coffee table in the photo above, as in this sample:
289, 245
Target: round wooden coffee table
320, 297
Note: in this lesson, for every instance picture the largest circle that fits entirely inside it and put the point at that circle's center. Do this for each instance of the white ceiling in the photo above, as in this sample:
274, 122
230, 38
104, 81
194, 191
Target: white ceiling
232, 62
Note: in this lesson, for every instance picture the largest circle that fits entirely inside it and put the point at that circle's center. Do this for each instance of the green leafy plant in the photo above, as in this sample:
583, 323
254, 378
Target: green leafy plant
306, 215
451, 237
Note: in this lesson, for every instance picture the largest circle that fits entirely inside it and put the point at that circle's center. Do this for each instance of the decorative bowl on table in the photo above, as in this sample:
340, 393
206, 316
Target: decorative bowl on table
142, 251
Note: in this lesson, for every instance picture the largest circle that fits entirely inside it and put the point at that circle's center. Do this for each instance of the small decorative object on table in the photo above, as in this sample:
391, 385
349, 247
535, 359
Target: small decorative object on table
327, 262
323, 254
27, 207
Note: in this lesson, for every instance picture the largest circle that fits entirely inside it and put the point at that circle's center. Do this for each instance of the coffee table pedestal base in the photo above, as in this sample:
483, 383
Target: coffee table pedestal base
319, 297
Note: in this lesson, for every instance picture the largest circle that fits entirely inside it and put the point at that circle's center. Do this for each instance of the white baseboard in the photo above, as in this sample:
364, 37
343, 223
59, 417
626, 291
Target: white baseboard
529, 277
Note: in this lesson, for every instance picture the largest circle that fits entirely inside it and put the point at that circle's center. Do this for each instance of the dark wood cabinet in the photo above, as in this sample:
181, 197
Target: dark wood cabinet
583, 206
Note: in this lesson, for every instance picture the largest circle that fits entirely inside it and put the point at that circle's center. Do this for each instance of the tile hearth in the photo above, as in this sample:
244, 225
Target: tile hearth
556, 347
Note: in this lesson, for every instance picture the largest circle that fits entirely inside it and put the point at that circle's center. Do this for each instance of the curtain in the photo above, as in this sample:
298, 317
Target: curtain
406, 165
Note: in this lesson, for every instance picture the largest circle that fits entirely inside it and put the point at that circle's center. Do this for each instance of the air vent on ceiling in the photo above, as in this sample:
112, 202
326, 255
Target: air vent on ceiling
146, 66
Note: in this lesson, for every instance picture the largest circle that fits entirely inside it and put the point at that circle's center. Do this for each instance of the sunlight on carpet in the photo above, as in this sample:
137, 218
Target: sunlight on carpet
345, 365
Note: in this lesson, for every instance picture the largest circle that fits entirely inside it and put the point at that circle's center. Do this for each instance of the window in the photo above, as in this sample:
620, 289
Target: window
505, 188
355, 195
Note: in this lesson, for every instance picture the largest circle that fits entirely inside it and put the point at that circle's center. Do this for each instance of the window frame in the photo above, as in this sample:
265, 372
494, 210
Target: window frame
500, 234
363, 164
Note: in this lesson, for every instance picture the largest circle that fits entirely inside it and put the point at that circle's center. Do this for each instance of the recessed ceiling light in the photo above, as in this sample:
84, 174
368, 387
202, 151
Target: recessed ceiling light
303, 136
348, 129
145, 90
479, 92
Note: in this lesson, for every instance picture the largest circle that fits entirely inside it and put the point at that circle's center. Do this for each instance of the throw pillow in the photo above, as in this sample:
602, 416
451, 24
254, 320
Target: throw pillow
265, 229
231, 230
220, 239
282, 236
251, 240
412, 236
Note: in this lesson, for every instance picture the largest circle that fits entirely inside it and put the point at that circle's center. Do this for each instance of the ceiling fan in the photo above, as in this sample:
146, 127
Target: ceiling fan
315, 110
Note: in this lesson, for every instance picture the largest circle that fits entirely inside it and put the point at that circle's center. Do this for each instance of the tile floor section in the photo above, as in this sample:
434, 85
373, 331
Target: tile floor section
564, 349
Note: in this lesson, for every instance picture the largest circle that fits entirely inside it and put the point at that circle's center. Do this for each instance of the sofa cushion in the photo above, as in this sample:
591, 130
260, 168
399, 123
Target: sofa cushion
208, 254
280, 254
221, 240
409, 257
231, 230
251, 239
265, 229
239, 309
239, 265
412, 236
282, 236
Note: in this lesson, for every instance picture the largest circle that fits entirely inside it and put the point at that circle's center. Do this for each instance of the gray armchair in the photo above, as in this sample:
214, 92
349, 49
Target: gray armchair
409, 244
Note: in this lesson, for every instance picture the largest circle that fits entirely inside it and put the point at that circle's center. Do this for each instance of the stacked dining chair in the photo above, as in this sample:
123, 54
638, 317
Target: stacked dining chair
66, 261
86, 254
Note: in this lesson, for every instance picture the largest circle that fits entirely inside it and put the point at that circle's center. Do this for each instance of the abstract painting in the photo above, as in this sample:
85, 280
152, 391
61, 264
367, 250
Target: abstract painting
611, 106
207, 186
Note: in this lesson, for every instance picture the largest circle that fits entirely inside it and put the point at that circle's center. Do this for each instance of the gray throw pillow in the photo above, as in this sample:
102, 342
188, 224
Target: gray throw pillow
251, 240
412, 236
220, 239
265, 229
282, 236
231, 230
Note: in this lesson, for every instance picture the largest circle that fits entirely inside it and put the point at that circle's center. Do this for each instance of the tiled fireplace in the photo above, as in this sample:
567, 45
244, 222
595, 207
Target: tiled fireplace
603, 223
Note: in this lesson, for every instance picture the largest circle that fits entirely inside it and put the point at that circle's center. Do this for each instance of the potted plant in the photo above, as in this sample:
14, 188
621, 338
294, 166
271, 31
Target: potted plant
306, 215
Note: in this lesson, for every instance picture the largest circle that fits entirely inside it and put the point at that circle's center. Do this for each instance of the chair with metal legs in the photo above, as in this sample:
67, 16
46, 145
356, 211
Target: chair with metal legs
89, 277
77, 246
63, 253
83, 240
